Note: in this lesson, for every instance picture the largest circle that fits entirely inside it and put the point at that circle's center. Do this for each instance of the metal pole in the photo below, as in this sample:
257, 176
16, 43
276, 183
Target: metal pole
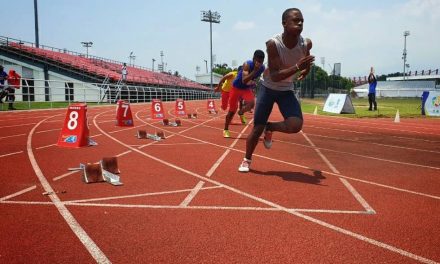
37, 39
210, 39
405, 34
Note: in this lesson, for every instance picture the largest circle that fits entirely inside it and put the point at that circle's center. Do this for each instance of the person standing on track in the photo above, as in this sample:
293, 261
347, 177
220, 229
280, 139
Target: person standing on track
372, 83
246, 78
289, 60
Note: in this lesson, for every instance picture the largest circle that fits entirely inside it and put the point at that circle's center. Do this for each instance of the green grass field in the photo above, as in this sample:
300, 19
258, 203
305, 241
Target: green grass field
387, 107
38, 105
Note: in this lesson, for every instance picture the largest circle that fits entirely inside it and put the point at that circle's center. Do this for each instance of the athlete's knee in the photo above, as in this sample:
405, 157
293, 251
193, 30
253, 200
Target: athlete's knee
294, 125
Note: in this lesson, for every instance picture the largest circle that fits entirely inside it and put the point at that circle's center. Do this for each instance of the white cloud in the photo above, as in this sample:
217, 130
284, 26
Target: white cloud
244, 25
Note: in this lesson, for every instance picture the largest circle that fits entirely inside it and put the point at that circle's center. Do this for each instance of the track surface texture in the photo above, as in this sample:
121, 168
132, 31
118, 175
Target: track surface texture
340, 191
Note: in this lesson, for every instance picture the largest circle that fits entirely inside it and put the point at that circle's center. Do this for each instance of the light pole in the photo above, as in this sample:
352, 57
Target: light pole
153, 63
405, 34
37, 38
206, 64
132, 57
87, 45
211, 17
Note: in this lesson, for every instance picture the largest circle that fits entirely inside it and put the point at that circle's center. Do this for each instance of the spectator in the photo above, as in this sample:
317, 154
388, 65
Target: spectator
14, 83
3, 77
124, 72
372, 83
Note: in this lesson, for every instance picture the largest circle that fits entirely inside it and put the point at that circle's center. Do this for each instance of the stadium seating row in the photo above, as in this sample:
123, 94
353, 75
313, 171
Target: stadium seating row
108, 69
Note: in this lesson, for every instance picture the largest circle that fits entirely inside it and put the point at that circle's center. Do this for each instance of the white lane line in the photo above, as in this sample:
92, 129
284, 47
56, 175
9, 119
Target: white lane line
192, 194
18, 193
367, 157
28, 124
222, 157
178, 144
374, 122
311, 169
373, 143
123, 153
207, 207
135, 195
51, 145
324, 158
272, 204
18, 135
10, 154
352, 190
47, 146
64, 175
369, 133
221, 208
27, 202
124, 129
358, 197
85, 239
49, 130
381, 127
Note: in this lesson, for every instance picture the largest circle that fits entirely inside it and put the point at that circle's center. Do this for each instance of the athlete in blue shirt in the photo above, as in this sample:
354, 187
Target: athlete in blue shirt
372, 90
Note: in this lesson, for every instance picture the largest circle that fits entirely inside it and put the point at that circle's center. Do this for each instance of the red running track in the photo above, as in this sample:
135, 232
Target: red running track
341, 191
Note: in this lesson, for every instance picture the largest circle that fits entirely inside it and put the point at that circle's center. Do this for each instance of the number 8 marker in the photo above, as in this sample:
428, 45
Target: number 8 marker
73, 120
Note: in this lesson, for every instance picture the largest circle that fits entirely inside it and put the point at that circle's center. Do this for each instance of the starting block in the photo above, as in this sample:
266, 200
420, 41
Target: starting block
92, 173
167, 122
160, 134
111, 178
194, 115
142, 134
103, 171
110, 164
212, 111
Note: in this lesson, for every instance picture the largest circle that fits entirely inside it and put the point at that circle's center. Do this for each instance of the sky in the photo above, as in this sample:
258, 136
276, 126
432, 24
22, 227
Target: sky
357, 34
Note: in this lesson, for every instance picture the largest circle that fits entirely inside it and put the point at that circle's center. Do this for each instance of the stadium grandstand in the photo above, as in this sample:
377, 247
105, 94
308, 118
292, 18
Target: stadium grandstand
413, 85
53, 74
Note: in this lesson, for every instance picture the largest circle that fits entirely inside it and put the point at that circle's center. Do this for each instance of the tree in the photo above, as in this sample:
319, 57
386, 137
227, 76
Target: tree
221, 69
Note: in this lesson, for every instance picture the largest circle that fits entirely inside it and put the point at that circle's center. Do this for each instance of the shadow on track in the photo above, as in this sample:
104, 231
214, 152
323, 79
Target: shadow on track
316, 178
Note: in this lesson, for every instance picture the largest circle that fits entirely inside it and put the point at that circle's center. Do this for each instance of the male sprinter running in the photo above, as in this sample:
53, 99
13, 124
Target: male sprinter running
242, 88
289, 60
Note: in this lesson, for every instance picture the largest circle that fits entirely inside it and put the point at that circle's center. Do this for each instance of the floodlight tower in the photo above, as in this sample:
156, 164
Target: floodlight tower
405, 34
87, 45
153, 62
211, 17
132, 57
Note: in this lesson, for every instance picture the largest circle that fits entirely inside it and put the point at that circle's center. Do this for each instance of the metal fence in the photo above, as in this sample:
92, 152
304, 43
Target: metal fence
51, 91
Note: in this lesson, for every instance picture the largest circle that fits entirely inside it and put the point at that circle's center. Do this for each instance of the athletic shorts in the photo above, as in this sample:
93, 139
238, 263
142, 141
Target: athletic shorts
225, 100
235, 95
286, 101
